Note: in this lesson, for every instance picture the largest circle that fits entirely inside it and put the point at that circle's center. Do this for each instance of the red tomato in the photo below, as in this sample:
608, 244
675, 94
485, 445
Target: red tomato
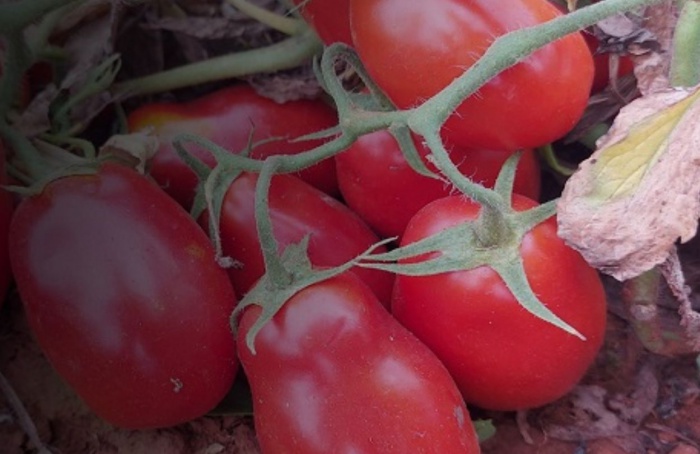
123, 294
227, 117
334, 372
501, 356
379, 185
414, 49
297, 209
329, 18
6, 208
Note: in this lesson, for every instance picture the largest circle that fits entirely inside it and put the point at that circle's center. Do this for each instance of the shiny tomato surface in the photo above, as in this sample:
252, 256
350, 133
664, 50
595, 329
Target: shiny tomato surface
501, 356
381, 187
334, 372
231, 117
414, 49
336, 234
122, 292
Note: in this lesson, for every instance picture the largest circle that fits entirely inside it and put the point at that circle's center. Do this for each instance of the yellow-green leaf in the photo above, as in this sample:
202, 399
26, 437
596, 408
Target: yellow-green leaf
620, 168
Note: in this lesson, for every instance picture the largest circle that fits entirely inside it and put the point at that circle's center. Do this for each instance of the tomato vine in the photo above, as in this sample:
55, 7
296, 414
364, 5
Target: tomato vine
359, 114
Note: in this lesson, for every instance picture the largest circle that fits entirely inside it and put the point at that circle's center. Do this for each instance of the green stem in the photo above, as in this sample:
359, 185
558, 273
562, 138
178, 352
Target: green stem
640, 296
287, 25
268, 243
550, 157
685, 63
475, 191
505, 52
283, 55
287, 163
491, 228
41, 33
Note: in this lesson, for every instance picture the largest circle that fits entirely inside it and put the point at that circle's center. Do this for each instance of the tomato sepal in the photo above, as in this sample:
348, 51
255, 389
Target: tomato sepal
285, 274
212, 184
492, 240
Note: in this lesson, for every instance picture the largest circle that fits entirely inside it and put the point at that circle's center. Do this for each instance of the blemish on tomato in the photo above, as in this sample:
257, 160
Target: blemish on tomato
177, 384
195, 251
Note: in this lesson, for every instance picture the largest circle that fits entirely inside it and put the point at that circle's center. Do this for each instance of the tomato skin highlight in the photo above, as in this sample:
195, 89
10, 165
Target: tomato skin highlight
413, 50
334, 372
297, 209
122, 292
227, 117
380, 186
501, 356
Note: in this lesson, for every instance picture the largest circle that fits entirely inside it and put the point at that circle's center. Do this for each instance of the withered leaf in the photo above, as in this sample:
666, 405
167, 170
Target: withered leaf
628, 204
651, 68
141, 145
88, 41
625, 34
597, 413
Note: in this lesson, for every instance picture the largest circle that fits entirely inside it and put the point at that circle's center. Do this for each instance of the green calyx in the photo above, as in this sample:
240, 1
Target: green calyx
61, 164
285, 274
492, 240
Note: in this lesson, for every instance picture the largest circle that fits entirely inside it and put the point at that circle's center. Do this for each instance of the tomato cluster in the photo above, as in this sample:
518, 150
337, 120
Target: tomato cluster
129, 300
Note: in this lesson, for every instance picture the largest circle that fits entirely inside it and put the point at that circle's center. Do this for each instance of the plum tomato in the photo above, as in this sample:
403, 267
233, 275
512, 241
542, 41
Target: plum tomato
297, 209
228, 117
414, 49
124, 296
501, 356
335, 372
380, 186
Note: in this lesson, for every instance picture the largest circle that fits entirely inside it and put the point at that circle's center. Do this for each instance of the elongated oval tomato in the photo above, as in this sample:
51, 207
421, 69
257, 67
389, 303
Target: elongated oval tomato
329, 18
231, 117
334, 372
501, 356
380, 186
297, 209
414, 49
123, 294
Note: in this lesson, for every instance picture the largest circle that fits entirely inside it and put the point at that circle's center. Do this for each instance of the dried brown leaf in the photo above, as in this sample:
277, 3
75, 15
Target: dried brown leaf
690, 320
287, 86
88, 40
652, 68
35, 120
141, 145
638, 193
199, 27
